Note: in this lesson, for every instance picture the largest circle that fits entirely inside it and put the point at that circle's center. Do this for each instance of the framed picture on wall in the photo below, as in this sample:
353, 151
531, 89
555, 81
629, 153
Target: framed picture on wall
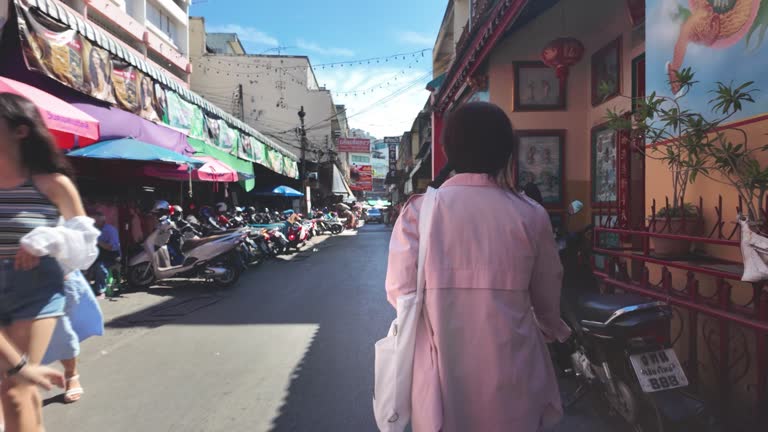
638, 79
541, 161
537, 88
606, 72
604, 162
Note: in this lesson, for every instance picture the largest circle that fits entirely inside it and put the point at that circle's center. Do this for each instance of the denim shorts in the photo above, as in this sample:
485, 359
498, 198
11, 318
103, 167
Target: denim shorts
33, 294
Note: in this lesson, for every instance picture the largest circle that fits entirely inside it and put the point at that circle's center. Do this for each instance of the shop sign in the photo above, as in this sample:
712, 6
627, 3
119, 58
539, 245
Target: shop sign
361, 177
393, 156
354, 145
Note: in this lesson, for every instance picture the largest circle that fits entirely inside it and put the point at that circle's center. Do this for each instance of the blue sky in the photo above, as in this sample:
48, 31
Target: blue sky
344, 30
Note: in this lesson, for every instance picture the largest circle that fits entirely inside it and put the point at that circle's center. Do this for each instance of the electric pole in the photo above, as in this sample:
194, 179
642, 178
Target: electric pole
302, 114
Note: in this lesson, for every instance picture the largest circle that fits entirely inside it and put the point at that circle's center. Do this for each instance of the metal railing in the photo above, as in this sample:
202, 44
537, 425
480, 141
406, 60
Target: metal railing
714, 323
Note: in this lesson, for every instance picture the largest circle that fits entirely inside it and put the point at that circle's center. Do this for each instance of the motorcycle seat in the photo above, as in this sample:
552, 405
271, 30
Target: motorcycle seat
193, 243
600, 308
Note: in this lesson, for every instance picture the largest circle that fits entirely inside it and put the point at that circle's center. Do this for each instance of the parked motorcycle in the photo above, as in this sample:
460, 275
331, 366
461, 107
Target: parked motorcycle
213, 258
620, 349
331, 225
297, 236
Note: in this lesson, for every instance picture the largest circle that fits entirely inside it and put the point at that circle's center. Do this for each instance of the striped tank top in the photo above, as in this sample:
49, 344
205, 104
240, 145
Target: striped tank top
23, 209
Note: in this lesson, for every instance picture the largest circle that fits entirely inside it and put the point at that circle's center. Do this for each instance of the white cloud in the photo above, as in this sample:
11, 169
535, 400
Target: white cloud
317, 49
247, 34
388, 117
414, 38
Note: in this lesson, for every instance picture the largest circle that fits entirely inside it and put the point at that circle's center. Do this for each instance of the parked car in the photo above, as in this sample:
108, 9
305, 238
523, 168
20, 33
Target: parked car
374, 215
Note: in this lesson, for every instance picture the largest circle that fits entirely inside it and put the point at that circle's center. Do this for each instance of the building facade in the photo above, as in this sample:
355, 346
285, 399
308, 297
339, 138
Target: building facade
155, 29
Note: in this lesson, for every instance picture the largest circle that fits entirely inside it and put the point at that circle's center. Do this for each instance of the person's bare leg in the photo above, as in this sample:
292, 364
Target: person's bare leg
73, 379
21, 400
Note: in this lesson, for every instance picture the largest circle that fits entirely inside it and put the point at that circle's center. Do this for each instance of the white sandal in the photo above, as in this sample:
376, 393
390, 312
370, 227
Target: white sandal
71, 393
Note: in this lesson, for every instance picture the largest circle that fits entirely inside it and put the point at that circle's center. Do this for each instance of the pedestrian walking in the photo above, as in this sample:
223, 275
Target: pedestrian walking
492, 294
36, 250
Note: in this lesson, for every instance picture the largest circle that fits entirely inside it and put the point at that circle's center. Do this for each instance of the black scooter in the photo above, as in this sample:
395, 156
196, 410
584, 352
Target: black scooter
620, 349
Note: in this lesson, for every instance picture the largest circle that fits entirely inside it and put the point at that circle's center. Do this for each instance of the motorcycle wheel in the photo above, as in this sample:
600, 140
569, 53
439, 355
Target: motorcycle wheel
637, 409
231, 275
140, 276
337, 229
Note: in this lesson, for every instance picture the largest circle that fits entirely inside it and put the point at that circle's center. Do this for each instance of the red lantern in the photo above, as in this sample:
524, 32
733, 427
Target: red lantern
560, 54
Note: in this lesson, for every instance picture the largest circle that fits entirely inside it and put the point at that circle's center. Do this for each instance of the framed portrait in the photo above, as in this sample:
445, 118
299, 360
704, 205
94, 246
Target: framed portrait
606, 72
638, 79
537, 88
605, 186
541, 161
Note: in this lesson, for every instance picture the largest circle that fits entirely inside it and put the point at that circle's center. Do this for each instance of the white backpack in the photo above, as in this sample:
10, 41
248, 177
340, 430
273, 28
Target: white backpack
394, 354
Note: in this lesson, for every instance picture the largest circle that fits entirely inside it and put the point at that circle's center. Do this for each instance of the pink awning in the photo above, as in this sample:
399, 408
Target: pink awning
213, 170
58, 115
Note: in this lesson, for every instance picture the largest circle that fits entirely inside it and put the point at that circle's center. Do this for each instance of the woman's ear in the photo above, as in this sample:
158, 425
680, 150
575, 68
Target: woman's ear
21, 132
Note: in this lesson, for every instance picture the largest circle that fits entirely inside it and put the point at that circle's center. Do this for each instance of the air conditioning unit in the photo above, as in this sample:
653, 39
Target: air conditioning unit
312, 176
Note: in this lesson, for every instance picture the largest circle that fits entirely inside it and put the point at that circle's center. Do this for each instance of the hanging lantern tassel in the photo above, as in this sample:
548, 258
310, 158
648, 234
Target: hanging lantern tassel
560, 54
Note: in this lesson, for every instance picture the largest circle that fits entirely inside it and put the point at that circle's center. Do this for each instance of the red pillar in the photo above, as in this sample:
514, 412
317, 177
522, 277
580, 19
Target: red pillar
438, 157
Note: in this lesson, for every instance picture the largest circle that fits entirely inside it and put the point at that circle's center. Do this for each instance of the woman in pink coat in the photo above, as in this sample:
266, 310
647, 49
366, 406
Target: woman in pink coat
492, 297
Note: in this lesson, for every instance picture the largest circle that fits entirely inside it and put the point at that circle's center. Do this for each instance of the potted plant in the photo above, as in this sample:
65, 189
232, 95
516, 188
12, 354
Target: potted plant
662, 130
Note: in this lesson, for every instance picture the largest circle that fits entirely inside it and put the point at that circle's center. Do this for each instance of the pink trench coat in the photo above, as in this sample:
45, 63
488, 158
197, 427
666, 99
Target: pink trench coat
493, 279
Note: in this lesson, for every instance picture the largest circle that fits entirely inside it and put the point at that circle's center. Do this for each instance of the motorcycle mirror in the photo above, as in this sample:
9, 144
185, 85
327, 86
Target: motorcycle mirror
575, 207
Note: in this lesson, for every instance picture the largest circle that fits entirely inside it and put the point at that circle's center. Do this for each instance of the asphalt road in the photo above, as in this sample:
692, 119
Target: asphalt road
290, 348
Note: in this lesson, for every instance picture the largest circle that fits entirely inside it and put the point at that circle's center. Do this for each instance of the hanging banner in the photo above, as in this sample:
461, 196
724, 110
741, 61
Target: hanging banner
184, 115
361, 177
354, 145
161, 103
275, 161
393, 156
125, 79
56, 51
291, 168
260, 153
245, 149
147, 99
227, 137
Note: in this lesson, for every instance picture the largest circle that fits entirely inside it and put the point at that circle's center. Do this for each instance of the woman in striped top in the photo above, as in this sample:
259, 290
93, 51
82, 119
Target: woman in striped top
34, 191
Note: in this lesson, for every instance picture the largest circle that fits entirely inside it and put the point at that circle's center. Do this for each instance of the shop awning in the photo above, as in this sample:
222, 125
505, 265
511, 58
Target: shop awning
340, 185
116, 123
131, 149
283, 191
58, 115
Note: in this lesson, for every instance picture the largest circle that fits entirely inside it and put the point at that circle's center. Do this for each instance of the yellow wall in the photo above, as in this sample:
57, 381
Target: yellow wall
602, 22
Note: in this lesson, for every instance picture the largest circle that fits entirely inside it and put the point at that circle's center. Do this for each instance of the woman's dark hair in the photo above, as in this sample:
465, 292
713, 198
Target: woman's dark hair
478, 138
442, 176
39, 152
533, 192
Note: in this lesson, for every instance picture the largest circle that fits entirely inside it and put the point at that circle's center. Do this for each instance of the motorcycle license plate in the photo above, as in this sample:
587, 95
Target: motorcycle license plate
658, 370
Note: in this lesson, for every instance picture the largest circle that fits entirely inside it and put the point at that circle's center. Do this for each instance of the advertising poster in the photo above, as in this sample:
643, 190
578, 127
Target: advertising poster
184, 115
245, 149
51, 48
361, 177
147, 99
275, 161
161, 103
354, 145
126, 83
380, 159
260, 153
228, 137
721, 41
